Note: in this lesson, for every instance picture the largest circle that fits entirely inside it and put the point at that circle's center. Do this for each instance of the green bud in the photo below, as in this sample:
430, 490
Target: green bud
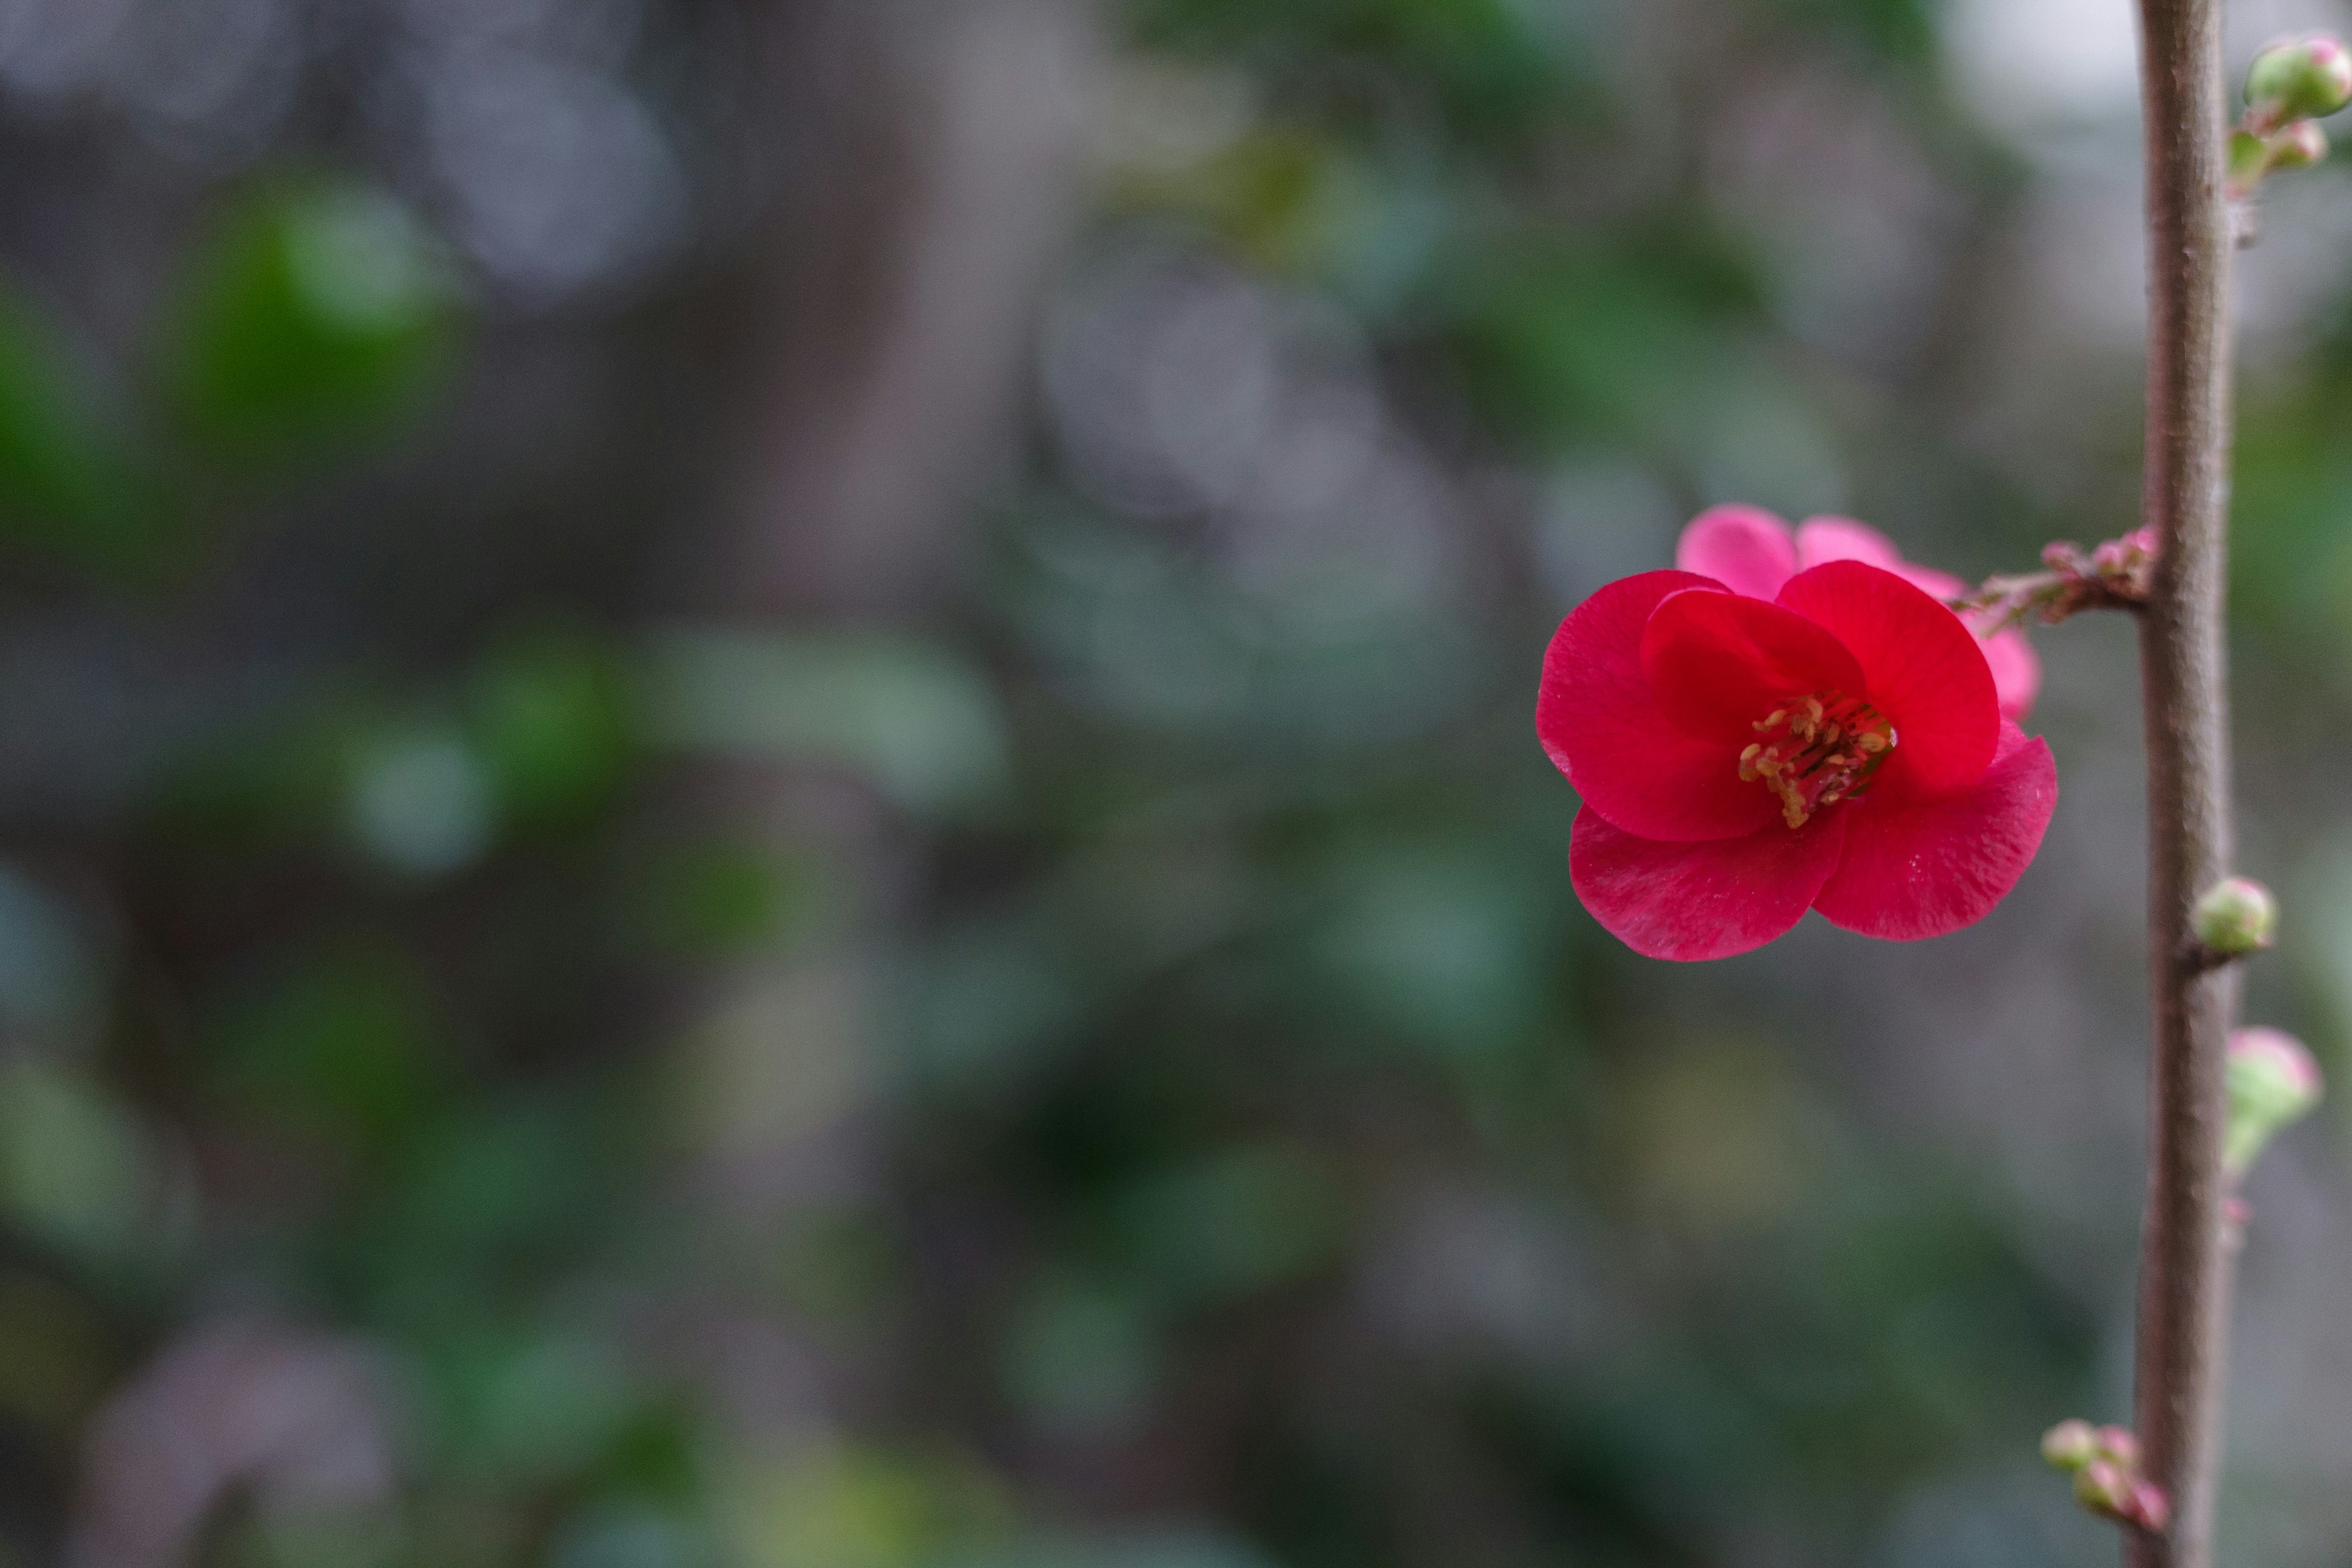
2298, 78
2296, 146
2070, 1444
2273, 1082
2236, 915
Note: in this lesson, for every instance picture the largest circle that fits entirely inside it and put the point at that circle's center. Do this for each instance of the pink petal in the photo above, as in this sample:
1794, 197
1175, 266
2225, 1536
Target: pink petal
2016, 672
1744, 548
1940, 586
1821, 540
1916, 868
1718, 663
1600, 726
1693, 902
1923, 668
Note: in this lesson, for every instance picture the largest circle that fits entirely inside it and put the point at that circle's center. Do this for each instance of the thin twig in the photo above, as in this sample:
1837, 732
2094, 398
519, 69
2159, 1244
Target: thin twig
2183, 1262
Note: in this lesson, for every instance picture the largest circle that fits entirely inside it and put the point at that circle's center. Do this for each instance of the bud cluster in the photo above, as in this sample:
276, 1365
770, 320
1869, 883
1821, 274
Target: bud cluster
2106, 1464
2115, 576
2290, 86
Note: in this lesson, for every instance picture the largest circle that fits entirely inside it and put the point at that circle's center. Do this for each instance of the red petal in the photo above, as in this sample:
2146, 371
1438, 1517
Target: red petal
1821, 540
1919, 867
1744, 548
1701, 901
1601, 728
1923, 668
1719, 663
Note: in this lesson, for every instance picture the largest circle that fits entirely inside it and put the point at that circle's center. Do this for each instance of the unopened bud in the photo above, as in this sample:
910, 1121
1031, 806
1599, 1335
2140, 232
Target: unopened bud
2298, 78
2070, 1444
2296, 146
2102, 1487
2274, 1082
2149, 1507
2236, 915
2120, 1446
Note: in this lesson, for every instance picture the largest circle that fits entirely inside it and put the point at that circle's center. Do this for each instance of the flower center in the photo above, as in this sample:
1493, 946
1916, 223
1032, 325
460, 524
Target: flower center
1818, 751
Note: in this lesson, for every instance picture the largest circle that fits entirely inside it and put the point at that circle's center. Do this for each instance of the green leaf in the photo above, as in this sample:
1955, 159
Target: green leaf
317, 309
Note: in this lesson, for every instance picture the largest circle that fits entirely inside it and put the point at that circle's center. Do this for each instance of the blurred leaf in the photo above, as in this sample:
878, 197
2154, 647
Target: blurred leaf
550, 1407
613, 1536
1082, 1359
73, 480
338, 1044
551, 716
910, 716
1230, 1226
718, 899
317, 1537
1560, 347
1149, 1549
853, 1507
55, 1360
316, 309
989, 1001
1443, 945
76, 1169
486, 1182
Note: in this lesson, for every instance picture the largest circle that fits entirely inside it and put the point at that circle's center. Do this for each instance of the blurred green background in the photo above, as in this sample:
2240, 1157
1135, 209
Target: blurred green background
767, 795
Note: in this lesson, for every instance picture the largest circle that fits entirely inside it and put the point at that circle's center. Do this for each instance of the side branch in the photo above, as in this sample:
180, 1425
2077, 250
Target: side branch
2183, 1262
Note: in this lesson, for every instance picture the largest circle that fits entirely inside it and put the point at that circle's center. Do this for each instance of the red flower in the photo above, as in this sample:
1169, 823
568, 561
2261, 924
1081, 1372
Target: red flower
1839, 747
1749, 551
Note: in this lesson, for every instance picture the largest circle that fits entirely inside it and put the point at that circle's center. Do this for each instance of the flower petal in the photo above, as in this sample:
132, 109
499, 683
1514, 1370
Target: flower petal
1922, 667
2016, 672
1718, 663
1701, 901
1745, 548
1600, 726
1821, 540
1916, 868
1940, 586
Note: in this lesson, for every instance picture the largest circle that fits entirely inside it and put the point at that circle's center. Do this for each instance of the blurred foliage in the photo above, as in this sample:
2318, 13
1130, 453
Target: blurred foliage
313, 308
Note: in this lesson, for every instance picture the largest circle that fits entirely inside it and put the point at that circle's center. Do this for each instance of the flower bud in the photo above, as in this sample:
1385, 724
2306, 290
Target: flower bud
2298, 78
2070, 1444
2236, 915
2102, 1487
2273, 1082
2296, 146
2120, 1446
2149, 1507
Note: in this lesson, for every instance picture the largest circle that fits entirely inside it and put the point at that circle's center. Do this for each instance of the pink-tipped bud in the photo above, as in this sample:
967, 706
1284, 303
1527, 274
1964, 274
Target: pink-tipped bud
2102, 1487
2298, 78
2148, 1508
2120, 1446
2274, 1082
2236, 915
2070, 1444
2296, 146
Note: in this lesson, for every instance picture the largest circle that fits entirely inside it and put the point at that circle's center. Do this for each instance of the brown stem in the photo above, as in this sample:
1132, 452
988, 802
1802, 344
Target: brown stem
2183, 1265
